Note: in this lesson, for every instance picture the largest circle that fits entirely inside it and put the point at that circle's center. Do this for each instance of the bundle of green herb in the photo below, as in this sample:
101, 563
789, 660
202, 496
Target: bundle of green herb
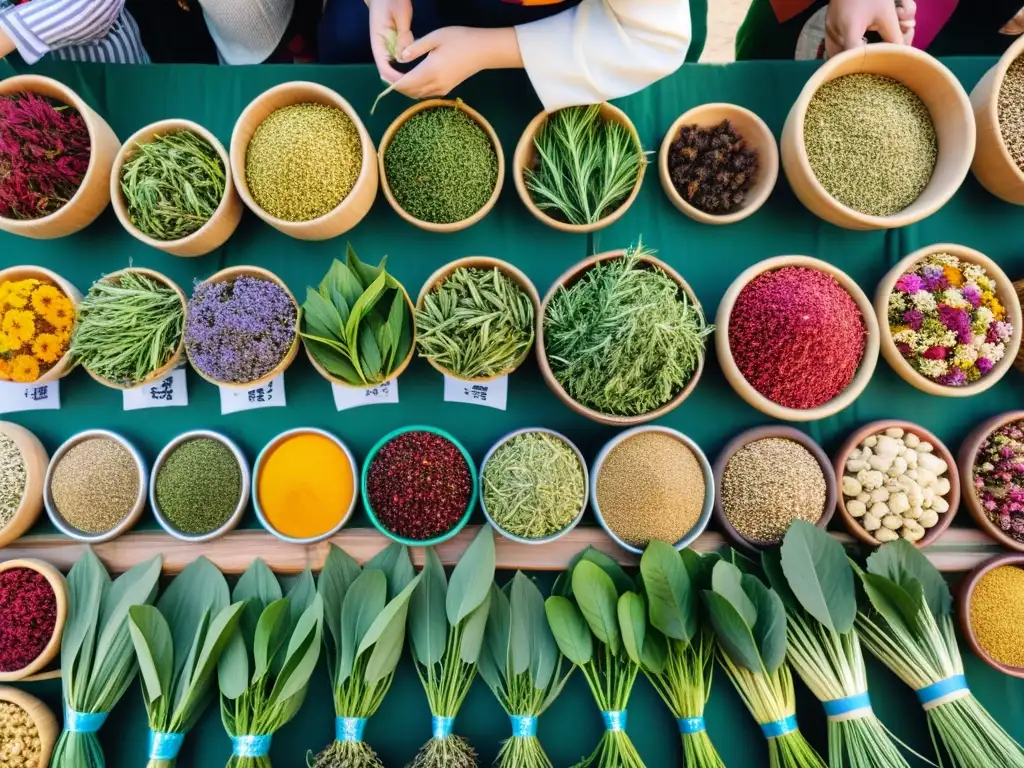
172, 185
678, 654
478, 323
586, 166
357, 324
127, 328
264, 671
178, 662
447, 621
520, 663
365, 613
625, 338
600, 623
907, 623
96, 658
750, 623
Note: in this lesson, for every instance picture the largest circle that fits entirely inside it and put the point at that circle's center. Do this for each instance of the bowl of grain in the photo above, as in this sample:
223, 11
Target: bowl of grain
997, 100
23, 463
28, 729
991, 611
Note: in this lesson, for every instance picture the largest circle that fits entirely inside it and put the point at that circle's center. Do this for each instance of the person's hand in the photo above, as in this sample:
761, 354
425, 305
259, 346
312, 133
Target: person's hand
388, 19
454, 54
848, 21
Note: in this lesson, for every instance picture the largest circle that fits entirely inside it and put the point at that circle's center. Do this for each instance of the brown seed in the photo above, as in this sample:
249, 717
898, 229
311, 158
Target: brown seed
19, 737
95, 484
997, 614
1011, 111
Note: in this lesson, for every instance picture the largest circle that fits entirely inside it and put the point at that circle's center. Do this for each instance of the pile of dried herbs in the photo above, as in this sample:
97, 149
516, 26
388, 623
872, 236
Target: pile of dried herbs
712, 168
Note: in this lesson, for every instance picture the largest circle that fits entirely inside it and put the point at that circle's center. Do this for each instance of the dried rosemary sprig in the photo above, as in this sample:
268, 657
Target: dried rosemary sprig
477, 323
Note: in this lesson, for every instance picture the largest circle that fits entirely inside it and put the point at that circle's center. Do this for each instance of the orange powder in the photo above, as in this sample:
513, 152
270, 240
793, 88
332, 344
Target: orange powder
305, 486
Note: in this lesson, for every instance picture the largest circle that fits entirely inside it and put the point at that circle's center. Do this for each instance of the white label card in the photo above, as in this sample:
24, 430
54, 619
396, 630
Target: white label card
29, 397
356, 397
172, 389
269, 395
492, 394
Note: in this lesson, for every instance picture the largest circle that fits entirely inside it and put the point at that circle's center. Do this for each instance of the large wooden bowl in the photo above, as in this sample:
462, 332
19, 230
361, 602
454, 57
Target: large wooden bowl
755, 398
60, 591
1007, 297
64, 365
349, 211
993, 165
42, 718
964, 595
215, 232
947, 103
94, 193
36, 460
965, 462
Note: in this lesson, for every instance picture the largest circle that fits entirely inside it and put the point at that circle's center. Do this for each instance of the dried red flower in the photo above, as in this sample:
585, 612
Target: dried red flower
28, 615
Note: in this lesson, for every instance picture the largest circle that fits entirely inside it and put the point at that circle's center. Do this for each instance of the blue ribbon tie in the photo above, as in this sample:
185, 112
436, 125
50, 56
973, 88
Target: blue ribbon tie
944, 691
848, 708
443, 726
523, 726
165, 746
83, 722
349, 728
777, 728
614, 721
251, 746
691, 725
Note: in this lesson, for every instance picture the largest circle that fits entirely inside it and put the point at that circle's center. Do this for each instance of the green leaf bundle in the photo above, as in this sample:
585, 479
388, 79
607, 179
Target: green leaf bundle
749, 621
906, 621
365, 613
447, 622
178, 644
357, 325
264, 671
96, 657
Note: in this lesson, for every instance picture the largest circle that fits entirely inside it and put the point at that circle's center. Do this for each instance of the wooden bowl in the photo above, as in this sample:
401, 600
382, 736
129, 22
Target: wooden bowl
93, 195
876, 427
36, 460
385, 142
229, 275
526, 157
64, 365
1005, 293
481, 262
215, 232
964, 595
755, 398
756, 135
965, 462
175, 360
762, 433
349, 211
951, 112
42, 718
60, 591
566, 279
993, 165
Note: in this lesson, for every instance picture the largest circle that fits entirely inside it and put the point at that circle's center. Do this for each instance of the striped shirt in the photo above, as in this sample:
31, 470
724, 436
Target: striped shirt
74, 30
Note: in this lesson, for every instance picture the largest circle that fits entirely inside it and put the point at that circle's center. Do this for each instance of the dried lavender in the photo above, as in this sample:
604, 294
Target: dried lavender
1011, 111
712, 168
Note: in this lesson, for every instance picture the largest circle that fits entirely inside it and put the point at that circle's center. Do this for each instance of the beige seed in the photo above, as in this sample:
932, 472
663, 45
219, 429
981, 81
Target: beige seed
95, 484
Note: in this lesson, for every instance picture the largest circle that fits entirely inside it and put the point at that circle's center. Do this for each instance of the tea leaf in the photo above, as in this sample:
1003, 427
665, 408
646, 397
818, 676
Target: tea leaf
151, 637
365, 600
820, 576
734, 634
428, 626
727, 581
770, 628
570, 630
471, 580
632, 615
902, 562
473, 632
596, 596
667, 585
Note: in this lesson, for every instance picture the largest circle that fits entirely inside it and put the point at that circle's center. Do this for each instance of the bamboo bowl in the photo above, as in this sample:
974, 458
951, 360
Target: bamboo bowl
215, 232
175, 359
480, 120
951, 112
42, 718
965, 459
964, 595
93, 195
526, 157
64, 365
349, 211
1006, 294
229, 275
993, 165
755, 134
36, 460
481, 262
876, 427
755, 398
572, 275
60, 591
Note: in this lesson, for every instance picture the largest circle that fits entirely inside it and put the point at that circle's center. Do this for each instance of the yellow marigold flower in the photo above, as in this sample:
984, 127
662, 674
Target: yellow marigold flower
25, 368
43, 298
5, 291
47, 348
953, 275
7, 344
19, 324
61, 314
5, 369
17, 298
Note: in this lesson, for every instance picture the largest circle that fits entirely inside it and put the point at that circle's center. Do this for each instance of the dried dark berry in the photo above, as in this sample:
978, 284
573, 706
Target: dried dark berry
712, 168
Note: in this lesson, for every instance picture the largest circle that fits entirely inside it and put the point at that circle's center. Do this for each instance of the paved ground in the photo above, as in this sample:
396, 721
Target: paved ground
724, 17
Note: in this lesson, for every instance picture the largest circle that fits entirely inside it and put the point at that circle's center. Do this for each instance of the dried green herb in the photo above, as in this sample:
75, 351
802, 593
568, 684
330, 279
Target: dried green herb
477, 323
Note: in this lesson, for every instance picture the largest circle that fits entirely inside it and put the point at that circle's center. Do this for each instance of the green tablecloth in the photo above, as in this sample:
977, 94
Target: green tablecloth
709, 257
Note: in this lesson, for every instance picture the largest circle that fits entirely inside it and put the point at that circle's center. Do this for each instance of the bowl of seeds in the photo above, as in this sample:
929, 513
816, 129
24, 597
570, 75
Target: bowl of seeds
95, 486
28, 729
199, 486
767, 477
991, 611
441, 165
23, 462
303, 161
33, 613
998, 101
880, 137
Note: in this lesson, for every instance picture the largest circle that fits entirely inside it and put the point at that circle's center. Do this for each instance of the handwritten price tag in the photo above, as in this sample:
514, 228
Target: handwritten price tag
170, 390
356, 397
492, 394
29, 397
269, 395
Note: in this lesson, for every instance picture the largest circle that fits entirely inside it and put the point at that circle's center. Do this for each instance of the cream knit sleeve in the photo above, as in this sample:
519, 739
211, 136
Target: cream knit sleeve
603, 49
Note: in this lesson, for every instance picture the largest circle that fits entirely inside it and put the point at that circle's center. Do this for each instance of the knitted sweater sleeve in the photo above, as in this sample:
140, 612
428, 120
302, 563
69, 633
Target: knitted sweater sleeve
603, 49
42, 26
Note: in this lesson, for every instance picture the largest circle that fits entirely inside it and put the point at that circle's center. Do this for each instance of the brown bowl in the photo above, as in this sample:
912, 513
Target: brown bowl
60, 591
64, 365
480, 120
993, 165
526, 156
42, 718
965, 461
481, 262
36, 461
756, 135
952, 498
569, 277
964, 609
761, 433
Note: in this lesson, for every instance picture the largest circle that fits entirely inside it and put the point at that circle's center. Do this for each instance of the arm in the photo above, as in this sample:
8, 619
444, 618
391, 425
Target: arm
41, 26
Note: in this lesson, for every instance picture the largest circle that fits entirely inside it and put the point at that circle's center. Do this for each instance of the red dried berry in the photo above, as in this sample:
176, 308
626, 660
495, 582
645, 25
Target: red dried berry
28, 615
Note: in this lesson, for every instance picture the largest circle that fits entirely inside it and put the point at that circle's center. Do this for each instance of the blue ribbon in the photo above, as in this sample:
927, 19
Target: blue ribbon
691, 725
165, 746
614, 721
935, 691
349, 728
83, 722
523, 726
836, 708
251, 746
777, 728
442, 726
